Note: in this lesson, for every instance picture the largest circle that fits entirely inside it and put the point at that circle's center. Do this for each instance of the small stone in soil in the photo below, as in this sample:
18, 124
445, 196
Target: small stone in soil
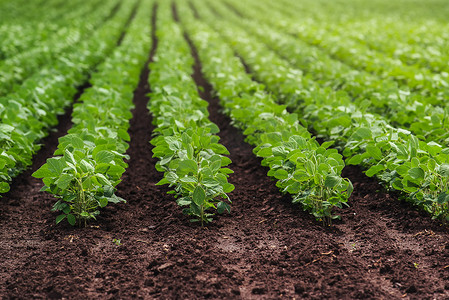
299, 288
259, 291
411, 289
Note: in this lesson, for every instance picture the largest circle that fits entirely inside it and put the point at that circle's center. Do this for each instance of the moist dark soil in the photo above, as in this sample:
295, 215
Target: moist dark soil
266, 248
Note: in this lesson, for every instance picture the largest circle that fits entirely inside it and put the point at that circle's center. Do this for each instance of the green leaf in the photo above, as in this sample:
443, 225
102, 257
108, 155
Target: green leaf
190, 151
397, 184
434, 148
228, 187
188, 179
222, 207
69, 157
108, 191
219, 149
416, 173
374, 170
101, 147
116, 171
163, 181
71, 219
183, 201
444, 169
355, 160
56, 165
4, 187
60, 218
102, 168
66, 209
431, 164
188, 166
374, 152
86, 166
186, 139
350, 188
361, 134
195, 209
332, 180
85, 214
199, 195
281, 174
116, 199
210, 182
323, 168
173, 143
403, 170
104, 156
414, 162
226, 171
280, 151
326, 145
171, 177
215, 165
102, 179
301, 175
63, 181
274, 138
443, 198
43, 172
123, 135
166, 159
293, 188
103, 202
225, 161
5, 128
76, 142
265, 152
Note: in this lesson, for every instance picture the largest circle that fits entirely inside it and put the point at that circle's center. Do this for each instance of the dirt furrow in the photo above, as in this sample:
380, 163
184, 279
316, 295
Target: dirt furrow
286, 252
397, 262
24, 211
39, 259
400, 242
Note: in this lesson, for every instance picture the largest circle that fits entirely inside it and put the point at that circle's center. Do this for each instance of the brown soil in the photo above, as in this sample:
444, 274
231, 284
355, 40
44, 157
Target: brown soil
266, 248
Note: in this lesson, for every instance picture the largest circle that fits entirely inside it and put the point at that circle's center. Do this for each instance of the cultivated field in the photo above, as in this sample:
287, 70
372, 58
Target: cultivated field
224, 149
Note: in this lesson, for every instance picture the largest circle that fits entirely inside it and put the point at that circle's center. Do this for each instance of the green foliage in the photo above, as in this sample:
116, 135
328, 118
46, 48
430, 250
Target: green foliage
35, 47
395, 156
84, 179
194, 164
301, 167
27, 114
193, 161
89, 161
308, 171
401, 104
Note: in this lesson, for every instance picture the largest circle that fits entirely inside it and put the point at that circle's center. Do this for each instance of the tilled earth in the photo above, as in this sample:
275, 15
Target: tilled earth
266, 248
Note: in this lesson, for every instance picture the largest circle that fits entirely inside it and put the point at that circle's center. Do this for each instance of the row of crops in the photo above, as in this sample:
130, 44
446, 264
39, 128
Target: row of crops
374, 91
